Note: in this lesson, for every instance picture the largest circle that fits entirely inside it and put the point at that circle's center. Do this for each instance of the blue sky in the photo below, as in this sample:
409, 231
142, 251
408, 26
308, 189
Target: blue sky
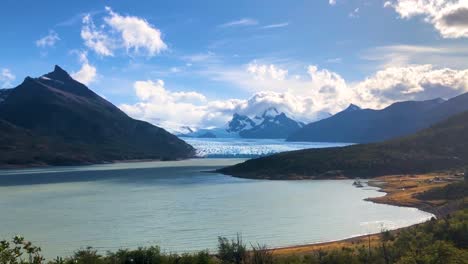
195, 63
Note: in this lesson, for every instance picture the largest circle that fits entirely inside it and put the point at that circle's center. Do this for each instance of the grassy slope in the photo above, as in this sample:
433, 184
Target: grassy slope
443, 146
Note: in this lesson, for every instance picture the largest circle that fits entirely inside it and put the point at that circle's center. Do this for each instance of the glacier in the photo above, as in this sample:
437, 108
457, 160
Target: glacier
249, 148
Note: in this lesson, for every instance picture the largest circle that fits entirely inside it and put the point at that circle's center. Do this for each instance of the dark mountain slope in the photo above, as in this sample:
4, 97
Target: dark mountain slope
4, 94
443, 146
366, 125
20, 147
66, 112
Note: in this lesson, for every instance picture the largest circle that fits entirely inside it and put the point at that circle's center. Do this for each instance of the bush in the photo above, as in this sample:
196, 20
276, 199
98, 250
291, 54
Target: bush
19, 251
234, 251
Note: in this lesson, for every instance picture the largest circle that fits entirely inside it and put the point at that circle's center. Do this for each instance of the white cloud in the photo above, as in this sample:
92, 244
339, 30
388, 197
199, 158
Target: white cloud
278, 25
266, 71
413, 82
240, 22
449, 18
134, 34
87, 73
155, 92
49, 40
316, 94
163, 107
6, 77
96, 39
332, 2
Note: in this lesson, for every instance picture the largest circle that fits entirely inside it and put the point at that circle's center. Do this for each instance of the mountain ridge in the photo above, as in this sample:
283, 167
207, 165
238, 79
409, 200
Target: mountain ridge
443, 146
368, 125
62, 114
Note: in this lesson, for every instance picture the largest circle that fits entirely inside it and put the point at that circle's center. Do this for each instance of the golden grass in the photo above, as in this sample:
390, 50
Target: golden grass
348, 243
400, 191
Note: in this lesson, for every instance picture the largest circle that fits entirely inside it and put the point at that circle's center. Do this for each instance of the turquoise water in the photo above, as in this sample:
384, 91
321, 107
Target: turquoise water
182, 208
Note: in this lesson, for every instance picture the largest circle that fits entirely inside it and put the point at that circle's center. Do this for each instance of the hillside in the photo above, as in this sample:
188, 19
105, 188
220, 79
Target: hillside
440, 147
56, 120
368, 125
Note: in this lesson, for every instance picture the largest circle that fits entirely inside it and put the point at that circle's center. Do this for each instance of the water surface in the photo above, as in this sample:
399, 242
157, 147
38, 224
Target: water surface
182, 208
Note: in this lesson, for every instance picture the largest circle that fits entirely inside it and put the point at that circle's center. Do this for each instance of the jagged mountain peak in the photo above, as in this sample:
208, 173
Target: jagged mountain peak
271, 124
58, 74
61, 80
239, 122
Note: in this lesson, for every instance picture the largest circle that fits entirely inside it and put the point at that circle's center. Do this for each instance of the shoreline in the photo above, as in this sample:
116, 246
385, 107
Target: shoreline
399, 191
86, 164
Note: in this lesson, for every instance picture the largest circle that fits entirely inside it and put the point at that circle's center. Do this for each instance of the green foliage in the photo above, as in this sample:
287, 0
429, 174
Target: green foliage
19, 251
452, 191
234, 251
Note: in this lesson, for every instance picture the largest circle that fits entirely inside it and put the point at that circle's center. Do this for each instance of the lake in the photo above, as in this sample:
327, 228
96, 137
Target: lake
182, 208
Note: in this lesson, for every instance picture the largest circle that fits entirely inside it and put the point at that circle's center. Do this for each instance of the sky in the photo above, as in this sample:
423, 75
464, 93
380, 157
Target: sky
195, 63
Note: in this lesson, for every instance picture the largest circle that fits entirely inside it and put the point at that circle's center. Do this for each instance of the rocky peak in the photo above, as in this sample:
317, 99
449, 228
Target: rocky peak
58, 74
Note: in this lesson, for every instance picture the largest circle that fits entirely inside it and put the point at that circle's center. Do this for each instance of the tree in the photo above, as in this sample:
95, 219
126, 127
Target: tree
20, 251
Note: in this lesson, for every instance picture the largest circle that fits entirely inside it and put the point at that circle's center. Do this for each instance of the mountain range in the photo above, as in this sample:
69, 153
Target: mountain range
367, 125
270, 124
55, 120
443, 146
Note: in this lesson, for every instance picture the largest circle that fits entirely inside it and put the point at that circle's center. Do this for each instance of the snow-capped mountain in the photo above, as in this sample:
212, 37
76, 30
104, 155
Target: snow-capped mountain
239, 123
270, 124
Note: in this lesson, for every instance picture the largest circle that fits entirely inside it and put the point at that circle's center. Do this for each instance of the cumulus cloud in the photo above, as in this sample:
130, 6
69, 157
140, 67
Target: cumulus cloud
317, 94
240, 22
166, 108
87, 73
134, 34
449, 18
49, 40
413, 82
6, 77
